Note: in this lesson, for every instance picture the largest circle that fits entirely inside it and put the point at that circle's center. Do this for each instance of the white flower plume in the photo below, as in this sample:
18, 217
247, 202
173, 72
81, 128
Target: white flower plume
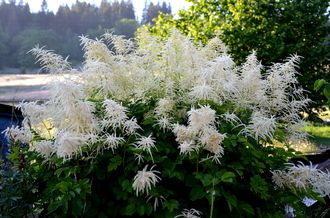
50, 61
201, 118
191, 213
302, 177
112, 141
145, 179
260, 127
115, 114
69, 144
146, 144
18, 134
45, 148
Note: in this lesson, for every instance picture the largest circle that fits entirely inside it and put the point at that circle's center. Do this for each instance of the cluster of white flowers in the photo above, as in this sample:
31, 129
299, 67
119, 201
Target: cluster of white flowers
50, 61
17, 134
145, 179
44, 147
200, 133
146, 144
192, 213
302, 177
163, 112
173, 72
260, 127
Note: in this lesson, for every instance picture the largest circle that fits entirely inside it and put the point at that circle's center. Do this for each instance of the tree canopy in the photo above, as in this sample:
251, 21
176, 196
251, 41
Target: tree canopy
21, 30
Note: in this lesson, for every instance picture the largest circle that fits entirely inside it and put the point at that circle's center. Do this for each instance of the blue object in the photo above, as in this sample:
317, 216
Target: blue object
9, 116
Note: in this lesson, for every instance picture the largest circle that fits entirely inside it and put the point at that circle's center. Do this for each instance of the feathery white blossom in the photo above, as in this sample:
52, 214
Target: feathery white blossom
164, 107
146, 144
112, 141
192, 213
122, 45
182, 133
260, 126
96, 50
201, 118
302, 177
212, 141
145, 179
50, 61
33, 112
186, 147
131, 126
18, 134
231, 118
44, 147
115, 114
164, 123
69, 144
202, 92
68, 109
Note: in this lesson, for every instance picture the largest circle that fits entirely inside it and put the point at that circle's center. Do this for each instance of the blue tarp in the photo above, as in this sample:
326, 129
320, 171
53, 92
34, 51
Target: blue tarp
9, 116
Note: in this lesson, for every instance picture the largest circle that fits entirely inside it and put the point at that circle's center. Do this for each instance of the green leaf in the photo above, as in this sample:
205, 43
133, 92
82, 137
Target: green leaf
115, 162
53, 206
126, 185
171, 204
140, 210
246, 207
228, 177
206, 179
197, 193
231, 201
259, 186
318, 84
130, 209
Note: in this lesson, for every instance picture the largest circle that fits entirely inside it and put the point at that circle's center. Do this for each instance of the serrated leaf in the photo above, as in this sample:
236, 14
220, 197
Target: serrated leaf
259, 186
115, 162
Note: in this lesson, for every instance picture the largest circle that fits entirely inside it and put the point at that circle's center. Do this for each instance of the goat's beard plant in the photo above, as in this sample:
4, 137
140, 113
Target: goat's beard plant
161, 127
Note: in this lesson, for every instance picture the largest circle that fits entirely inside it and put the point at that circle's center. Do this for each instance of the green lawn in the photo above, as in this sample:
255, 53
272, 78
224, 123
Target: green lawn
320, 135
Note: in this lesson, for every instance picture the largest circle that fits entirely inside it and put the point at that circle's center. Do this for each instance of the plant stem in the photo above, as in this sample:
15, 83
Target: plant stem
212, 201
197, 162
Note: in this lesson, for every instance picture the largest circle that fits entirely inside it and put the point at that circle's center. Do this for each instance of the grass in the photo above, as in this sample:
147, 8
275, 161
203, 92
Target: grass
319, 135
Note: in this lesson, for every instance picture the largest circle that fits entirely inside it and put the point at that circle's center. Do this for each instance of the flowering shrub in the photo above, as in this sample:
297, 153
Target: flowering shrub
162, 129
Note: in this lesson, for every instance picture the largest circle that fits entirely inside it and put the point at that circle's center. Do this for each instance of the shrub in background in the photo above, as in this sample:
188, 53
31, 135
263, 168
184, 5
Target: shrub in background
164, 129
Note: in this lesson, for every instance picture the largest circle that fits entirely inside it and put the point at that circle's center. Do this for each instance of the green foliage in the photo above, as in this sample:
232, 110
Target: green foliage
274, 29
102, 185
126, 27
323, 85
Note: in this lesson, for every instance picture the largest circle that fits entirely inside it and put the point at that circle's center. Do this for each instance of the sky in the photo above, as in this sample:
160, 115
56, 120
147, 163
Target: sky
53, 5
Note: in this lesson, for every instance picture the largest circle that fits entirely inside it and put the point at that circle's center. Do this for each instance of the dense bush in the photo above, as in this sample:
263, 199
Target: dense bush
161, 129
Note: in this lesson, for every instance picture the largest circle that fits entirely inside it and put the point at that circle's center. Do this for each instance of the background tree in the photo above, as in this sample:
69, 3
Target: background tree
67, 24
274, 29
152, 11
30, 38
126, 27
